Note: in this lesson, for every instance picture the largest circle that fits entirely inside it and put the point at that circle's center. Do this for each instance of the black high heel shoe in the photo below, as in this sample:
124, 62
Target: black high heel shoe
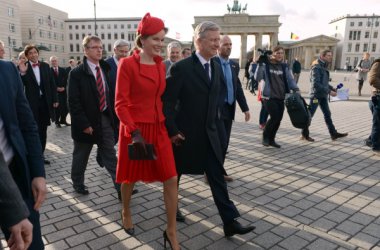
130, 231
166, 238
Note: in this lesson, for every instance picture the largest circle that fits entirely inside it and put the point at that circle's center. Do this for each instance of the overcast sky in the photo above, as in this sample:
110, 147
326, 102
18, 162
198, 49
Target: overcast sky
303, 17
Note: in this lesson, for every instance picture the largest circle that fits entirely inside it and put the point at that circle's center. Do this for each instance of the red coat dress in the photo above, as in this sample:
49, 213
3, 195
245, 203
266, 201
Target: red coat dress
138, 105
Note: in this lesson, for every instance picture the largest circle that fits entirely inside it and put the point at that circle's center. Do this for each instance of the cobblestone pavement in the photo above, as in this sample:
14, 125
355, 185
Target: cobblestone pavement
321, 195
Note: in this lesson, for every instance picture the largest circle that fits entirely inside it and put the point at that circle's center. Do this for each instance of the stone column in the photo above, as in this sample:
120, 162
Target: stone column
243, 50
333, 66
273, 40
307, 57
258, 43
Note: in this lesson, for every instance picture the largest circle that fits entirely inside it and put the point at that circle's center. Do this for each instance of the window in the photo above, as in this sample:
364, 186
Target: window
102, 36
375, 34
108, 26
11, 11
76, 27
40, 20
77, 36
374, 47
350, 35
359, 35
122, 26
42, 34
135, 26
78, 58
63, 48
55, 48
102, 26
71, 36
12, 27
115, 36
77, 47
360, 24
55, 36
349, 47
83, 27
83, 35
109, 36
115, 26
366, 34
49, 34
62, 37
54, 24
365, 47
377, 24
129, 26
89, 26
61, 25
122, 35
354, 36
357, 47
109, 47
70, 27
348, 59
352, 24
356, 59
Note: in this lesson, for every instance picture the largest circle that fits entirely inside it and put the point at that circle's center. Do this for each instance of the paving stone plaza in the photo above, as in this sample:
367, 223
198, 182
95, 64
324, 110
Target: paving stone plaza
316, 196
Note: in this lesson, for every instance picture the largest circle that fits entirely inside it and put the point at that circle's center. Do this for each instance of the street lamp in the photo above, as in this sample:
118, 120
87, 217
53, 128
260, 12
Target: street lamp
370, 22
96, 33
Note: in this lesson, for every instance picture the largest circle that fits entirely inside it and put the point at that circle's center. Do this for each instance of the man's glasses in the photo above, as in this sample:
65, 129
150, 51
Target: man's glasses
95, 48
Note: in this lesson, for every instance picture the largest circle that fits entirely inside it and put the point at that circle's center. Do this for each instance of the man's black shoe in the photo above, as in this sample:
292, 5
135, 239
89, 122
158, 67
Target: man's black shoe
179, 216
81, 189
368, 142
274, 144
46, 161
236, 228
338, 135
265, 142
57, 125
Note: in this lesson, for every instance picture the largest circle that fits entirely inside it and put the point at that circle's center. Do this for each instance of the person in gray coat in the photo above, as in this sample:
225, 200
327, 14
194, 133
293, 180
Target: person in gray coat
363, 67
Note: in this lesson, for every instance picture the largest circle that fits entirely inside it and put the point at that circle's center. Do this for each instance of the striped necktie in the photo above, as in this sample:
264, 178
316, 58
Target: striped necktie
99, 85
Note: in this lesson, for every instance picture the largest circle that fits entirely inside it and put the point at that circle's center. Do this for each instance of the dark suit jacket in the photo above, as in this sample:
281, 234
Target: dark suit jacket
21, 129
48, 87
238, 90
12, 207
83, 100
61, 79
112, 75
197, 96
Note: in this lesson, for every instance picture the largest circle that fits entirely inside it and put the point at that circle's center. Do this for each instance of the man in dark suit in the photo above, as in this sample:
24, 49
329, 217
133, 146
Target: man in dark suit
13, 210
40, 90
191, 107
92, 113
60, 79
21, 147
233, 91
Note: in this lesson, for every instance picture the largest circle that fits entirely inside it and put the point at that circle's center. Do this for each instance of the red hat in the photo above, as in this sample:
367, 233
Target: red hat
150, 25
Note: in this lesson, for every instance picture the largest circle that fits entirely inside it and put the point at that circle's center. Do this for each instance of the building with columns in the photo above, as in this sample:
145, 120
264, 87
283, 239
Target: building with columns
308, 50
244, 25
357, 34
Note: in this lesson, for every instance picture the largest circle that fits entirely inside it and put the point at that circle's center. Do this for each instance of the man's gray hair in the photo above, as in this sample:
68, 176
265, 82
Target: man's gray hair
121, 43
174, 44
203, 27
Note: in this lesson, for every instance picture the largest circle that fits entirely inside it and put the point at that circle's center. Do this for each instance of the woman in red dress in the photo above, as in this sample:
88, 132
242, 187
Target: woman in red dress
140, 84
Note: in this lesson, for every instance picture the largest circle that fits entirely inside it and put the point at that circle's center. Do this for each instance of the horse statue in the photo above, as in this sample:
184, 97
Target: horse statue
245, 8
235, 7
229, 9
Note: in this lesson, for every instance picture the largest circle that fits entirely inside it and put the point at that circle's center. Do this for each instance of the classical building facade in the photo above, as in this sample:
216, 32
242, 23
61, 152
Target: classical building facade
43, 26
357, 34
108, 29
308, 50
243, 24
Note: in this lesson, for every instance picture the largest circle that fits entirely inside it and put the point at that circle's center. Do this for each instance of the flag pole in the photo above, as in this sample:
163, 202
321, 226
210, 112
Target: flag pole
96, 33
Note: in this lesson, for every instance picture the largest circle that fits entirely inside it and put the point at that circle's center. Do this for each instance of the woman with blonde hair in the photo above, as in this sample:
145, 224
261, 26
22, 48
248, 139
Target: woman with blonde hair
363, 67
139, 86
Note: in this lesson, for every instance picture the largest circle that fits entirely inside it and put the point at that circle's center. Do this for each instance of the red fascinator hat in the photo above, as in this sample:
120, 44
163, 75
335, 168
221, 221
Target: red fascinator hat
150, 25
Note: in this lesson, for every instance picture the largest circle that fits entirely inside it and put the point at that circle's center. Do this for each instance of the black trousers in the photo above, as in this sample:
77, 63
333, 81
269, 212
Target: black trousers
275, 108
62, 110
43, 121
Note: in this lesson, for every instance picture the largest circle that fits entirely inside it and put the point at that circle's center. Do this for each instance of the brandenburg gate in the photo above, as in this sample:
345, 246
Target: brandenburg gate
237, 22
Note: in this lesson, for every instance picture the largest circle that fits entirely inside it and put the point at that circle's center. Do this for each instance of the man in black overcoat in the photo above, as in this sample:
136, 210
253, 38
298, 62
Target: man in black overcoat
191, 108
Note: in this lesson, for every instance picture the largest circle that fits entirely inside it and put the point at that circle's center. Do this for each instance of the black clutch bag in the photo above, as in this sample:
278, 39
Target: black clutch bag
134, 154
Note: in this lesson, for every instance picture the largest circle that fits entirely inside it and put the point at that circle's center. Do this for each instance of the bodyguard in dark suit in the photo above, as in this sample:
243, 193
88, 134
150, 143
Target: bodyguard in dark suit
231, 89
92, 112
40, 90
21, 146
120, 50
193, 85
60, 79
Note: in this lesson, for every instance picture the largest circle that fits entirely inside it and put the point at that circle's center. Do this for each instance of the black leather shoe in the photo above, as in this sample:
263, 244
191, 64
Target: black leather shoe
47, 162
368, 142
179, 216
338, 135
236, 228
274, 144
81, 189
265, 142
57, 125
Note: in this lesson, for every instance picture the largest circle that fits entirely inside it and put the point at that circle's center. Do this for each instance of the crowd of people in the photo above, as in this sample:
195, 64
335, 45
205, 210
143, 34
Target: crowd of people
168, 118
